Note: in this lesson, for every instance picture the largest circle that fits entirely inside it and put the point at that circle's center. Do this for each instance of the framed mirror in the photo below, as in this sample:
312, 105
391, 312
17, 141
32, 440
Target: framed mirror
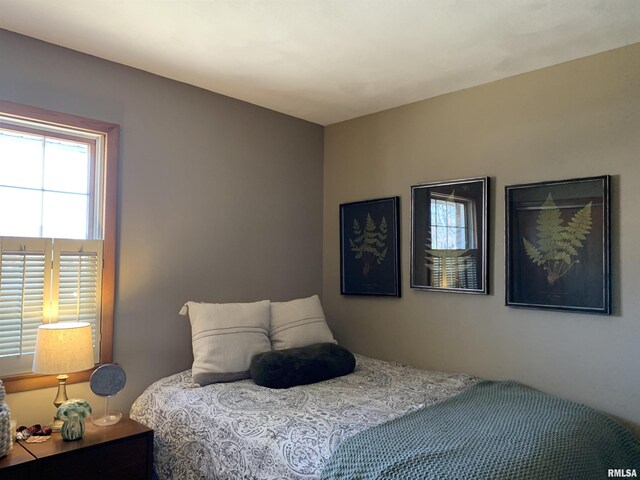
449, 238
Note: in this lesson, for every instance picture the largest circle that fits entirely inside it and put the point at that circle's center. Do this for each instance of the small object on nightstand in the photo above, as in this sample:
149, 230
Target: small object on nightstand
72, 428
72, 413
106, 381
38, 439
23, 433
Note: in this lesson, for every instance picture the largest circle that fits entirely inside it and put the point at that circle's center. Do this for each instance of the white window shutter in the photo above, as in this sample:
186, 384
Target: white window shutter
25, 276
77, 284
454, 271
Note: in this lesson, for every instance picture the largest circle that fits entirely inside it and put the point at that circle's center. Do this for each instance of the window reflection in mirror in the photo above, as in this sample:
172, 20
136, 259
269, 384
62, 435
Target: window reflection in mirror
449, 235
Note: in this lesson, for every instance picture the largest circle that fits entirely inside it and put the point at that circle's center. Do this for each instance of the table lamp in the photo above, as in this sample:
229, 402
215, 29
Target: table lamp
63, 348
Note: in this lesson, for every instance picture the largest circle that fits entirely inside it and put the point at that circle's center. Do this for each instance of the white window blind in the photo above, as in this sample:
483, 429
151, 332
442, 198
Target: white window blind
44, 280
77, 275
454, 271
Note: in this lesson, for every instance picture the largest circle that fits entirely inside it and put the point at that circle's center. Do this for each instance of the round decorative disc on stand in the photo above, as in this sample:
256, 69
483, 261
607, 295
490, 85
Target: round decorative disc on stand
106, 381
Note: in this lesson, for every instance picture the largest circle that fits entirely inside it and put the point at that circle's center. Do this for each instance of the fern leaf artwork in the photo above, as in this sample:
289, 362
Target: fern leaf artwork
533, 253
369, 245
357, 231
558, 245
549, 228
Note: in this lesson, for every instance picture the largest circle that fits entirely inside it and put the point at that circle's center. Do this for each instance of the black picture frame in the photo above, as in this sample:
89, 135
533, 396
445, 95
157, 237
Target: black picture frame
449, 236
370, 247
557, 245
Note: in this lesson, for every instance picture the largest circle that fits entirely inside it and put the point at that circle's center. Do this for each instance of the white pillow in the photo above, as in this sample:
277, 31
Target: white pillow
225, 336
298, 323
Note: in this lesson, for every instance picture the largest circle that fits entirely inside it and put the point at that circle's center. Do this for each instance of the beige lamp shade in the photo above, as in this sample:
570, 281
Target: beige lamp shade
63, 347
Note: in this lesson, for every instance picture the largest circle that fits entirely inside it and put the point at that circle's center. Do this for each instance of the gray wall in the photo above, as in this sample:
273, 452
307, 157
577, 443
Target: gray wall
218, 200
577, 119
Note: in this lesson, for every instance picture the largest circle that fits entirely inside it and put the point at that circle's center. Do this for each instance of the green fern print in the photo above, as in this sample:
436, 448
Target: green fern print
557, 247
369, 245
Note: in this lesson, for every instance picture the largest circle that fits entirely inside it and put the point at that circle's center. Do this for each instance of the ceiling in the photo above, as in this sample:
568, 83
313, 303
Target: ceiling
330, 60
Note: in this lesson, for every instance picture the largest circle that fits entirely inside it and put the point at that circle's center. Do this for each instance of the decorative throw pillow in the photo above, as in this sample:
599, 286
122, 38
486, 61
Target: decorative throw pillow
301, 366
225, 336
298, 323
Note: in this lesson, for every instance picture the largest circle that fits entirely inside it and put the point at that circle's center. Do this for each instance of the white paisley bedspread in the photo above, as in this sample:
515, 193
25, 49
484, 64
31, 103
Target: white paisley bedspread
240, 430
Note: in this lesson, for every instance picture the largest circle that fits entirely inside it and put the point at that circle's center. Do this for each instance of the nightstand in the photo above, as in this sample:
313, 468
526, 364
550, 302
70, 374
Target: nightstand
123, 451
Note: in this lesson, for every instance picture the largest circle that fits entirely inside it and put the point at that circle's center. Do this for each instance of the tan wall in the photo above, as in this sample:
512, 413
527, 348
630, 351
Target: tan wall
218, 200
577, 119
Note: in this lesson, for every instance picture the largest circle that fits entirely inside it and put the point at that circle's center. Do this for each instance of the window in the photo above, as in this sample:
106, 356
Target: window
452, 223
48, 181
453, 235
57, 232
45, 280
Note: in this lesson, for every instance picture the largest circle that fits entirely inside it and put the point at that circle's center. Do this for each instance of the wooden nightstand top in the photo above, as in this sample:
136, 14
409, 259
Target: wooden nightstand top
92, 436
117, 452
16, 456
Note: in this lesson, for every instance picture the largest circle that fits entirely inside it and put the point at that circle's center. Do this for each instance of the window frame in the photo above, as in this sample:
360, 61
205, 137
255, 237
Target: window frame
110, 133
469, 227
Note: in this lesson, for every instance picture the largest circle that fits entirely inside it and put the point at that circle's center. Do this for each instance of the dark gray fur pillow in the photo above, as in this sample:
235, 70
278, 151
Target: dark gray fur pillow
301, 366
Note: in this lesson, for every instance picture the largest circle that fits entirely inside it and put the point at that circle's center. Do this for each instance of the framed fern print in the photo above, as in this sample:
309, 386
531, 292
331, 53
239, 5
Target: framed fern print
449, 236
558, 245
370, 247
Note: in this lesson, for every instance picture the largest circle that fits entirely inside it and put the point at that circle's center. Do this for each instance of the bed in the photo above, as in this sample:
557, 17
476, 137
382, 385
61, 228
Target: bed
271, 395
240, 430
450, 426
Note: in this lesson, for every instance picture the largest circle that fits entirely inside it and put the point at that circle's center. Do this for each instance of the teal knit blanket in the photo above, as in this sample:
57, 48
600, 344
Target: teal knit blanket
492, 430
